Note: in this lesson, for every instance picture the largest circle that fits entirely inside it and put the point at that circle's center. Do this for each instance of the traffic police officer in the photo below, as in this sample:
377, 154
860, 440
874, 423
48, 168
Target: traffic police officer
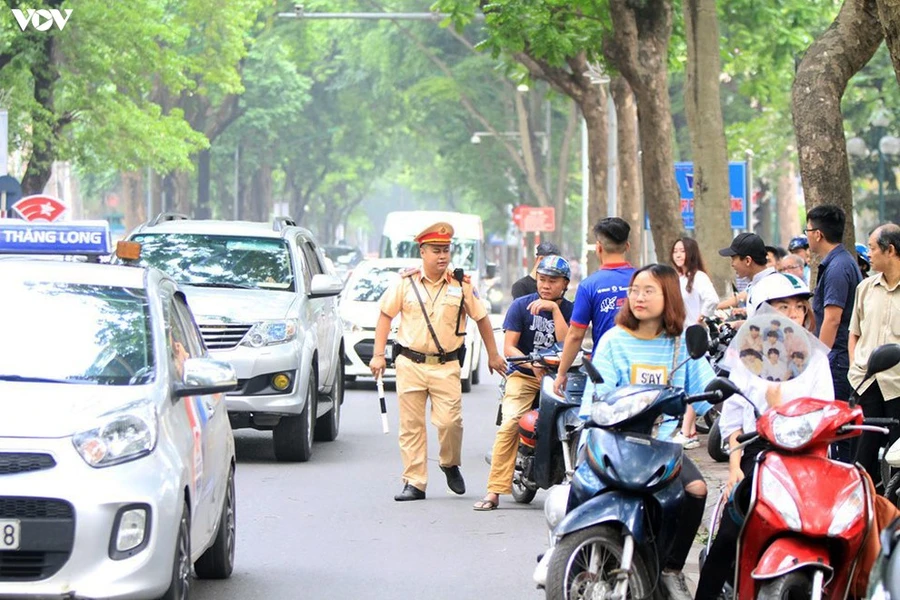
433, 306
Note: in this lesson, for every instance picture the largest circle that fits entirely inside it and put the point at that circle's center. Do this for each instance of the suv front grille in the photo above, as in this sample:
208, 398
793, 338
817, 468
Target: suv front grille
21, 462
221, 336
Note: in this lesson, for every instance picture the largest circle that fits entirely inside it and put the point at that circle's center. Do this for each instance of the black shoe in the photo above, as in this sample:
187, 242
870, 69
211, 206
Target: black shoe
410, 492
455, 480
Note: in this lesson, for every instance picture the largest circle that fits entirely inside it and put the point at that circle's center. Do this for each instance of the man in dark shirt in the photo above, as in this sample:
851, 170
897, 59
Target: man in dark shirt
528, 284
832, 302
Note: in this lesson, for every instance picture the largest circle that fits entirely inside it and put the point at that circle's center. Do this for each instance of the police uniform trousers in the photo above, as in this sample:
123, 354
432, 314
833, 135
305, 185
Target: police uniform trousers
415, 383
517, 400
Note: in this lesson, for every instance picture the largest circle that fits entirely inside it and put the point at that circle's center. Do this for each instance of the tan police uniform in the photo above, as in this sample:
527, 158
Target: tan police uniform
420, 372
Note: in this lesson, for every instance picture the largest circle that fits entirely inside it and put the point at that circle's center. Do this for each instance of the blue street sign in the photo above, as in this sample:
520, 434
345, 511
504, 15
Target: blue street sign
73, 238
737, 183
13, 189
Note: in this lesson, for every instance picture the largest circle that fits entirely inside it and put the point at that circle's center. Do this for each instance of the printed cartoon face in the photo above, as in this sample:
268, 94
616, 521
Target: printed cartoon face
772, 347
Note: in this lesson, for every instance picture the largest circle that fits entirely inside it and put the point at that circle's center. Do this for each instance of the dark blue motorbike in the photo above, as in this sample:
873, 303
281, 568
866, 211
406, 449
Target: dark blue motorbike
618, 518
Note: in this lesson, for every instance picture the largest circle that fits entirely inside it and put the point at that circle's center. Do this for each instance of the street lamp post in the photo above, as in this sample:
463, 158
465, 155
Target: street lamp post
887, 144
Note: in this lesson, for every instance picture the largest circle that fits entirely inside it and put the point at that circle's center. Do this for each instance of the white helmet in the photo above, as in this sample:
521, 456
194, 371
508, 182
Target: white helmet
776, 286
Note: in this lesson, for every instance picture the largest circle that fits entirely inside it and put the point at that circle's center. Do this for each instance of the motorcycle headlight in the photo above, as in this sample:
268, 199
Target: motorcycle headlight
778, 496
793, 432
495, 295
268, 333
119, 437
555, 504
621, 408
848, 511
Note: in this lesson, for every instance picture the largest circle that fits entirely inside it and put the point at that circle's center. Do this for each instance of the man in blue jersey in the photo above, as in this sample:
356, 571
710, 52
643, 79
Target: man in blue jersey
600, 296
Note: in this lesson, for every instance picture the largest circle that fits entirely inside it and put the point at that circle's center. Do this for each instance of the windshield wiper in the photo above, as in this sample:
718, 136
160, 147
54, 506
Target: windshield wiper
44, 379
214, 284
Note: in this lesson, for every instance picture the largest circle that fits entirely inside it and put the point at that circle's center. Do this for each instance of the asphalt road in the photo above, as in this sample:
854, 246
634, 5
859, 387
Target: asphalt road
330, 528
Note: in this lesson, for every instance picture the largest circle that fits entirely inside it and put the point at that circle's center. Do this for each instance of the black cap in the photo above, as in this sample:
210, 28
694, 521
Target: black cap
746, 244
547, 249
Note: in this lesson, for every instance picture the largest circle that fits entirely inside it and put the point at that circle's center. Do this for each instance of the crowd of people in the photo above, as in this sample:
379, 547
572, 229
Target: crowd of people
637, 318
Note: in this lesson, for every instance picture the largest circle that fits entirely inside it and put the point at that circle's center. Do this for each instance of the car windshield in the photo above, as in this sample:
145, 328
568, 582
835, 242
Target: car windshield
371, 285
75, 333
462, 251
219, 260
342, 255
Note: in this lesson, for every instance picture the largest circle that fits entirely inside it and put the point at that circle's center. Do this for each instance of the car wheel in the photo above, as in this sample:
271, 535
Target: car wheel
218, 560
466, 384
476, 374
329, 424
293, 435
180, 586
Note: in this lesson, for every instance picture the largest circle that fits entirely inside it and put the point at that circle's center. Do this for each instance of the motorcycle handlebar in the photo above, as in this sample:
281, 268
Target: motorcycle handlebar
880, 421
746, 437
713, 397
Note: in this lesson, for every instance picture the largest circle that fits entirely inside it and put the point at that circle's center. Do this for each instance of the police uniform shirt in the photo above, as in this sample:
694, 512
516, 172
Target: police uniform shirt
441, 299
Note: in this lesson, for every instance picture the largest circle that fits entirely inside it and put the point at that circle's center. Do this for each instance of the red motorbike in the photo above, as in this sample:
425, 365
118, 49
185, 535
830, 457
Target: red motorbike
805, 516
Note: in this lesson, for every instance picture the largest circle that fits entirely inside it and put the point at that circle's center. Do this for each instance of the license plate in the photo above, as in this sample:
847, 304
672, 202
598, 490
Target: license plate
10, 534
388, 352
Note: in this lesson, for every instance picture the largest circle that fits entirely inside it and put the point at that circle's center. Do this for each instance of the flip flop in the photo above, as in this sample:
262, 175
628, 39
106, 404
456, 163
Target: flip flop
485, 504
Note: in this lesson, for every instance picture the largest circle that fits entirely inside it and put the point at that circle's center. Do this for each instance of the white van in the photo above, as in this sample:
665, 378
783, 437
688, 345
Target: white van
398, 241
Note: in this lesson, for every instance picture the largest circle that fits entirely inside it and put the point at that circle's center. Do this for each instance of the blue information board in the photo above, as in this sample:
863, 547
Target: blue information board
737, 184
79, 238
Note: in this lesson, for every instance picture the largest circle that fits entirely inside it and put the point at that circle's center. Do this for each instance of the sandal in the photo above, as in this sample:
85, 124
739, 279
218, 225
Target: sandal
486, 504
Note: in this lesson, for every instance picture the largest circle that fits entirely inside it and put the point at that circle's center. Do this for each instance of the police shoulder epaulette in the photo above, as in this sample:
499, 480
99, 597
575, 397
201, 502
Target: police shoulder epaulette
409, 272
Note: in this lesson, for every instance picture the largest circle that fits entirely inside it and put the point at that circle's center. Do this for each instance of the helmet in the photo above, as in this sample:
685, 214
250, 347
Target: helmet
775, 286
554, 266
527, 426
739, 501
862, 251
798, 242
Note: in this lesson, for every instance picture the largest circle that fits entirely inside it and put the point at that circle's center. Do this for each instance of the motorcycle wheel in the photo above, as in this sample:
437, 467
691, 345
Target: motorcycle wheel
890, 479
569, 578
714, 443
795, 584
705, 424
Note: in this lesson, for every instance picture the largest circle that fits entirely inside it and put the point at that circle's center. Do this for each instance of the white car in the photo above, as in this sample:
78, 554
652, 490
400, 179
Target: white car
267, 304
359, 306
116, 455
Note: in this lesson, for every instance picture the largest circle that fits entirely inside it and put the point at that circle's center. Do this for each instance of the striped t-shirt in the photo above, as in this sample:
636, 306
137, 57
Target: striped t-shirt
624, 359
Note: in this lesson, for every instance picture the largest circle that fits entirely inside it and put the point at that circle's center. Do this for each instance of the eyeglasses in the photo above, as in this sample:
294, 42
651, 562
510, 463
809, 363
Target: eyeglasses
808, 231
645, 292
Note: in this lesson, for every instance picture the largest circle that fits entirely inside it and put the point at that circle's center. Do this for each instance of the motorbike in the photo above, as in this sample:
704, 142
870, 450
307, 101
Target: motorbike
612, 526
721, 333
548, 432
805, 516
884, 580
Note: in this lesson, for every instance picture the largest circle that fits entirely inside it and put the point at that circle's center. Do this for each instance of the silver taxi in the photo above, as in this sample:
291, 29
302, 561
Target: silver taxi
116, 454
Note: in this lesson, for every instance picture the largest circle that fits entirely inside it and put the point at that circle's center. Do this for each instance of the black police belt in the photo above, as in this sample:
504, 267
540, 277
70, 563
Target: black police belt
428, 359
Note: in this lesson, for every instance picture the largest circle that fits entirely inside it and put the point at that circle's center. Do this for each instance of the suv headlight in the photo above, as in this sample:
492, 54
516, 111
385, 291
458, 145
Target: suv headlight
268, 333
793, 432
121, 436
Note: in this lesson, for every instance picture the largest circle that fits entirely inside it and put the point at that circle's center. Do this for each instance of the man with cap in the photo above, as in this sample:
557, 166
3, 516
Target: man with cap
748, 259
433, 303
799, 246
528, 284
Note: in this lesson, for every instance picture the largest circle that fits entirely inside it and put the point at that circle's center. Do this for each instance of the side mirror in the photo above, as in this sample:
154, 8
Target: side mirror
697, 340
490, 270
325, 285
882, 359
592, 372
205, 376
723, 385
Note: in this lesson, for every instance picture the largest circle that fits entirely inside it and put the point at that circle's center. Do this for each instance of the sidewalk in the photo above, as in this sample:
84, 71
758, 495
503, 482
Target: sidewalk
716, 474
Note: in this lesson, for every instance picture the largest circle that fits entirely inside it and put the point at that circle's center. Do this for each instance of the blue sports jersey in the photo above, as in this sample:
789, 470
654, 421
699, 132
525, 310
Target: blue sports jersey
599, 298
536, 332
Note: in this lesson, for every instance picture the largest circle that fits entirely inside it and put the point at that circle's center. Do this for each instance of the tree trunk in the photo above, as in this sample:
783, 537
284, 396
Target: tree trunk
788, 215
133, 201
594, 112
821, 79
43, 147
203, 211
261, 195
629, 185
712, 198
180, 199
889, 15
639, 50
562, 181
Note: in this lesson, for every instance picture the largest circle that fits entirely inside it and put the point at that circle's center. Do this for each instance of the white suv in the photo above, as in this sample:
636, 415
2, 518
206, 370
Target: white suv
265, 303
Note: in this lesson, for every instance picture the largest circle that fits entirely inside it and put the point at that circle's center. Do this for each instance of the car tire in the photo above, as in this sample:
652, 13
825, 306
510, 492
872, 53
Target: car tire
292, 436
466, 384
329, 424
218, 560
476, 374
180, 586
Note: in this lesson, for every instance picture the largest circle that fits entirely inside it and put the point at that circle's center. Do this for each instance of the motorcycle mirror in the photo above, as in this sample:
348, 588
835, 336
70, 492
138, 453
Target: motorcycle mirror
697, 341
882, 359
723, 385
592, 372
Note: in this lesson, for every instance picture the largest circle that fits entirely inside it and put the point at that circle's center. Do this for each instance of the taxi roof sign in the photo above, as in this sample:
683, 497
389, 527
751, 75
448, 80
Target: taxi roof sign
80, 238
